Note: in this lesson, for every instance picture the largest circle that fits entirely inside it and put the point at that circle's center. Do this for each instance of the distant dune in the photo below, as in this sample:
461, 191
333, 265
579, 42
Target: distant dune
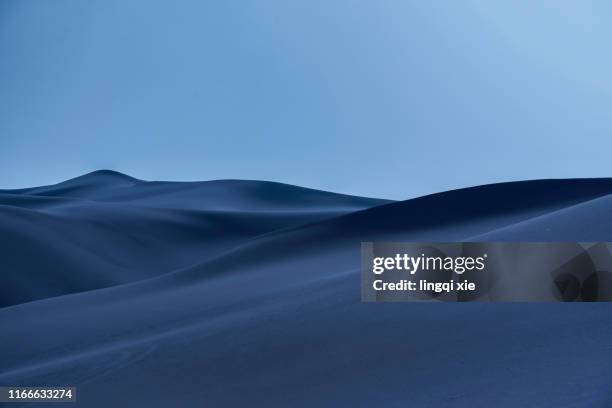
246, 293
106, 228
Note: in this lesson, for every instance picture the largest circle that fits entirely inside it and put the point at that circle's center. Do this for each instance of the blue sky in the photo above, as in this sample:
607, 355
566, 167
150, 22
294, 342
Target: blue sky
390, 99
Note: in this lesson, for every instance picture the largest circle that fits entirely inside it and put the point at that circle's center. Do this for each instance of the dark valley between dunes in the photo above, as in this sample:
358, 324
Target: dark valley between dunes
230, 292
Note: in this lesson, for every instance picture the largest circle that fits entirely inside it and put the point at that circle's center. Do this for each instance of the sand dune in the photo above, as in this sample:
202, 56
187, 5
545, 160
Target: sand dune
232, 293
106, 228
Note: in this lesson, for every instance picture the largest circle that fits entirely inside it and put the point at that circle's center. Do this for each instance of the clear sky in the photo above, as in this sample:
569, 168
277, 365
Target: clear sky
381, 98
